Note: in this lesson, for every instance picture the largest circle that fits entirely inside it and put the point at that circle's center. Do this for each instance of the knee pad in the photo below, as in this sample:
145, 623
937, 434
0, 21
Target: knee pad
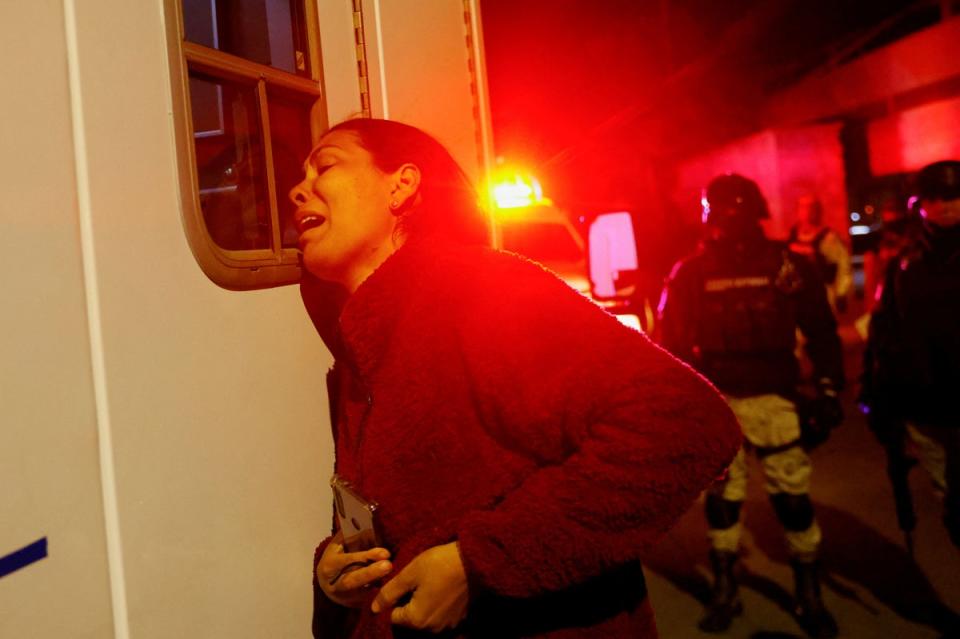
795, 512
721, 513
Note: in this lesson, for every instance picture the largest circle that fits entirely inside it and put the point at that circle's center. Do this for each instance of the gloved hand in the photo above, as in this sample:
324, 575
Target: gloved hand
820, 416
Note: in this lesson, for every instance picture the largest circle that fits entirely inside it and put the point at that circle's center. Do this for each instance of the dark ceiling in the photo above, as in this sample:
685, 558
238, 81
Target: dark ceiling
577, 83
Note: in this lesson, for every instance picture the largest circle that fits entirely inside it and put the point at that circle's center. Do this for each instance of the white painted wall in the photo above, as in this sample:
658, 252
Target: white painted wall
169, 438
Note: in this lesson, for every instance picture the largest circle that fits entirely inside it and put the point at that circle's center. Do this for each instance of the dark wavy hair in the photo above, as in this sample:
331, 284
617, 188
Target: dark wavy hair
448, 207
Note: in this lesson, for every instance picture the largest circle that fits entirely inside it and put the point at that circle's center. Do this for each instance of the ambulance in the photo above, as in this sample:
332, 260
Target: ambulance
165, 448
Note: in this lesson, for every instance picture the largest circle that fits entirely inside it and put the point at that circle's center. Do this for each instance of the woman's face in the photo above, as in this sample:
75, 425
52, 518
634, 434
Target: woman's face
343, 211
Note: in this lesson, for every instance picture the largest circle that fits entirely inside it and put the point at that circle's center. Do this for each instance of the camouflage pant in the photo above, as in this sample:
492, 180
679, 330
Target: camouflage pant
769, 423
938, 449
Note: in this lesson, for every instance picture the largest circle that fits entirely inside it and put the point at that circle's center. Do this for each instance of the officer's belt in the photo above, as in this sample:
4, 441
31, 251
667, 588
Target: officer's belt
766, 451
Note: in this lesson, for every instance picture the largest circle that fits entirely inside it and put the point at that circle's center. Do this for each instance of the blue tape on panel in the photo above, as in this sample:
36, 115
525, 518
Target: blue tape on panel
23, 557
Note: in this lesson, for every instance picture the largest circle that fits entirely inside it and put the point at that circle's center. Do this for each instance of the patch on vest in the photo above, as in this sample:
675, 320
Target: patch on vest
727, 283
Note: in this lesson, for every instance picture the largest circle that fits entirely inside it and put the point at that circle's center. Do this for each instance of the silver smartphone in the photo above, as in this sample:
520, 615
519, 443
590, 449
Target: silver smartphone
357, 517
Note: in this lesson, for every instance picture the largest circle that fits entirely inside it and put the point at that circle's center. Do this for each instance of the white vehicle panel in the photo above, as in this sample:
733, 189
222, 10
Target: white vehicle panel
169, 438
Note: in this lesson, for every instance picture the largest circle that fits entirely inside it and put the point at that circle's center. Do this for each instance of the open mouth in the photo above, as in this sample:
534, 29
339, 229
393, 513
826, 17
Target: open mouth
308, 222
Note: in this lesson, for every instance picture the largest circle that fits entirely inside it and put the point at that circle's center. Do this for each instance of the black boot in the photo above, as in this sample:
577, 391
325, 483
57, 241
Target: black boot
811, 614
724, 603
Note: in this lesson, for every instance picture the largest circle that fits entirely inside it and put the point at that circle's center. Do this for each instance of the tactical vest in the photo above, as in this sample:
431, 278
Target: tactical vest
747, 324
811, 250
746, 306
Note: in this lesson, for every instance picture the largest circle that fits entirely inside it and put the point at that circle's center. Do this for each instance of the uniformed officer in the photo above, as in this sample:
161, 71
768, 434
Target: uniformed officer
732, 311
912, 360
823, 246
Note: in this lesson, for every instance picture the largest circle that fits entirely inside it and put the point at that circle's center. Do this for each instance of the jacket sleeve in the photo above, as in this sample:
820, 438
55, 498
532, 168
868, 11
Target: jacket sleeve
676, 328
625, 435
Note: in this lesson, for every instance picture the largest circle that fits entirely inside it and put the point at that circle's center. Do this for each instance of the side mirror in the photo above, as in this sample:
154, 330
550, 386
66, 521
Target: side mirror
612, 255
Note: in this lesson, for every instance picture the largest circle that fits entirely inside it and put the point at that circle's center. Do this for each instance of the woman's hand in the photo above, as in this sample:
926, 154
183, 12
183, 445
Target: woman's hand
438, 582
346, 577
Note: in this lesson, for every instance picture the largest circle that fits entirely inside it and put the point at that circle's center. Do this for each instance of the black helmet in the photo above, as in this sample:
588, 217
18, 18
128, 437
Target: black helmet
733, 203
938, 181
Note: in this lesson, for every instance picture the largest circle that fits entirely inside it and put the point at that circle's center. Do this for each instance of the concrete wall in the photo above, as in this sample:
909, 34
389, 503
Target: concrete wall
907, 92
884, 78
785, 163
908, 140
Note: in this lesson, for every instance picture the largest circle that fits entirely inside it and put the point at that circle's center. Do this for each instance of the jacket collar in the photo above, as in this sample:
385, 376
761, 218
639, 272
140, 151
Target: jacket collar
359, 327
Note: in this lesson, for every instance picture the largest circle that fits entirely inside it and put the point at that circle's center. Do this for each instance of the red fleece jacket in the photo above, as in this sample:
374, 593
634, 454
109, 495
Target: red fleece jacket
491, 404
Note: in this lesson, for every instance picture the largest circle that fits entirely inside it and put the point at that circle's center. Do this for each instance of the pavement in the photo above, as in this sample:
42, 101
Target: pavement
870, 583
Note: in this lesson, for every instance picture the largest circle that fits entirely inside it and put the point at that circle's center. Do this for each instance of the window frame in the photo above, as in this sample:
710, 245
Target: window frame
228, 268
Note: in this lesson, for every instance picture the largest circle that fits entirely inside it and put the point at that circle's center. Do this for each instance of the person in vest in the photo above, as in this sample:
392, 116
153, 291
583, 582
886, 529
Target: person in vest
732, 311
824, 247
912, 360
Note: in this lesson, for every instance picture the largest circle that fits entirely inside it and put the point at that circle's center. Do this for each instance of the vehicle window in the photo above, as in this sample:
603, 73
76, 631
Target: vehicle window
268, 32
290, 134
246, 73
230, 168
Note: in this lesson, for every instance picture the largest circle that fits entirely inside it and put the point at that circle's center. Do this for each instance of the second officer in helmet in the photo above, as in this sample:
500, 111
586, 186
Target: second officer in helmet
732, 311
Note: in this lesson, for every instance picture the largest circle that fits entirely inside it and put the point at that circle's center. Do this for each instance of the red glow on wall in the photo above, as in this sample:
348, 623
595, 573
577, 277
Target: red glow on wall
911, 139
